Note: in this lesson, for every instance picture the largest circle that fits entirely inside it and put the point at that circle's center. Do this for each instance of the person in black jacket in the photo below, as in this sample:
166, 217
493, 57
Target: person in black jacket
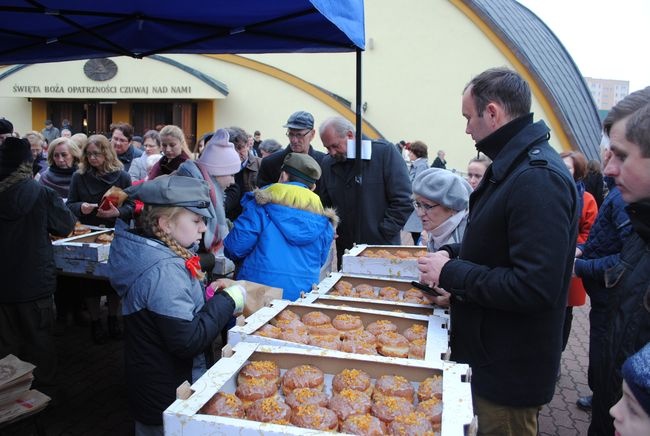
509, 277
29, 212
300, 131
628, 320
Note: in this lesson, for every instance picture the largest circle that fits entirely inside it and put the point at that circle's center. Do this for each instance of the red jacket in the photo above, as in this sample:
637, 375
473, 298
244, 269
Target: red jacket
577, 294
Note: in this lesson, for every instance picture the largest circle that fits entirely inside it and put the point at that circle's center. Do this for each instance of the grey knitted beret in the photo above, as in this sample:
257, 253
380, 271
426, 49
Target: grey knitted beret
443, 187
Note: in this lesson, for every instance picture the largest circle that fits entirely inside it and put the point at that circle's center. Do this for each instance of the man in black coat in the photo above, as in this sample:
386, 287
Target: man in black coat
300, 130
510, 275
28, 212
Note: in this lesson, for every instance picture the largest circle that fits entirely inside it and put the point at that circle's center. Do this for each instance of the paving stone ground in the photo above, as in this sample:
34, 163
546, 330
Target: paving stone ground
93, 399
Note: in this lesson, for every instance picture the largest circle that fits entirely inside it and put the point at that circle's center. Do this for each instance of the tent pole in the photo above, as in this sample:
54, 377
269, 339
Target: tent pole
357, 144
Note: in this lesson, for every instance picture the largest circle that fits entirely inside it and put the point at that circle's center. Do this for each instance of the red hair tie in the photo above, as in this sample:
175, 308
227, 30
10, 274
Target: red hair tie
193, 264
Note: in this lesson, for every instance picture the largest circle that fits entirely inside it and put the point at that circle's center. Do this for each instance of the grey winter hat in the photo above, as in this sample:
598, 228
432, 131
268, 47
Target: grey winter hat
443, 187
169, 190
300, 120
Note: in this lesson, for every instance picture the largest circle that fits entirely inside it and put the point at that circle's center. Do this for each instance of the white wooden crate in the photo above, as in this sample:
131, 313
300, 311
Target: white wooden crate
354, 261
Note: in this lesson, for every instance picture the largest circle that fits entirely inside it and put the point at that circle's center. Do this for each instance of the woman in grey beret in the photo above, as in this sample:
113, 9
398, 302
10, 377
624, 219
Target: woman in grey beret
441, 202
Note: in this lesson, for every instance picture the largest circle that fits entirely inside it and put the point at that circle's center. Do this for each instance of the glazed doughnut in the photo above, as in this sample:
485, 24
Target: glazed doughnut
223, 404
259, 369
346, 322
363, 425
414, 300
368, 253
366, 293
299, 336
414, 292
290, 324
315, 318
330, 342
381, 326
362, 336
285, 315
412, 424
302, 376
323, 330
416, 331
385, 254
315, 417
358, 347
403, 254
389, 293
342, 285
363, 287
392, 344
433, 409
354, 379
104, 238
417, 349
349, 402
420, 253
393, 386
268, 331
256, 389
300, 396
389, 408
431, 387
269, 410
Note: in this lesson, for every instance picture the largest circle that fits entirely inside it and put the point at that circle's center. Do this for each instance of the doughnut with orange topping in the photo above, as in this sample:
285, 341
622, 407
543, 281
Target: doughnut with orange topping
392, 344
381, 326
331, 342
429, 388
363, 336
342, 284
285, 315
404, 254
302, 376
349, 402
354, 379
301, 396
223, 404
290, 324
298, 336
416, 331
315, 318
432, 408
389, 408
265, 369
393, 386
363, 425
385, 254
417, 349
411, 424
268, 331
389, 293
326, 329
256, 389
269, 410
346, 322
358, 347
315, 417
414, 292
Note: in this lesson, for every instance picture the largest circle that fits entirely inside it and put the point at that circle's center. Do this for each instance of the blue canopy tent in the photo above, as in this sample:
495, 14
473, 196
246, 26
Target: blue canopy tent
35, 31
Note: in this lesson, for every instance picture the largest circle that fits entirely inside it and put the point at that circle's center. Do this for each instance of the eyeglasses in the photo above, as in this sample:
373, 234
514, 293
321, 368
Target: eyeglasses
94, 153
298, 135
424, 207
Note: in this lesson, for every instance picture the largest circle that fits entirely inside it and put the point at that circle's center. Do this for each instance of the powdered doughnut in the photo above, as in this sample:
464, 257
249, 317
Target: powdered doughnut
302, 396
349, 402
381, 326
363, 425
429, 388
330, 342
412, 424
417, 349
316, 318
432, 409
346, 322
354, 379
389, 408
393, 386
264, 369
268, 331
223, 404
416, 331
269, 410
392, 344
315, 417
302, 376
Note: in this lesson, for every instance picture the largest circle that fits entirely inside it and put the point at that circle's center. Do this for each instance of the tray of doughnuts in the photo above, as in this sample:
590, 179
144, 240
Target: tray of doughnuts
372, 292
396, 261
258, 389
388, 335
92, 243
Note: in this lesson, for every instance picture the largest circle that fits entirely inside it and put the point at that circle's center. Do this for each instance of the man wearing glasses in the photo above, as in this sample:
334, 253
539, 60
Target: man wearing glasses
300, 131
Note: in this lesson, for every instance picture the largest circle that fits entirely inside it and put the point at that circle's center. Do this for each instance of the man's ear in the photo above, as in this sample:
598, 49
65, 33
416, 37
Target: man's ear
350, 134
496, 114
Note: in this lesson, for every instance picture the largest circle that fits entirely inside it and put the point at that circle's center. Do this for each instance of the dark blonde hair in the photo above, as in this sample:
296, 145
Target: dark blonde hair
149, 222
176, 132
73, 149
111, 162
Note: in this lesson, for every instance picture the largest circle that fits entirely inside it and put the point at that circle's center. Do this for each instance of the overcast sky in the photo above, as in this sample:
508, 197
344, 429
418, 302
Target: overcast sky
607, 39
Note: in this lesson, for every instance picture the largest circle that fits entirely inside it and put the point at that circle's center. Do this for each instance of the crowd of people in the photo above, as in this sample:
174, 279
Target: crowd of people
512, 247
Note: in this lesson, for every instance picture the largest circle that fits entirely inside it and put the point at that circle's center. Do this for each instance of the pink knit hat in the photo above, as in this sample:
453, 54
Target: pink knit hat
219, 157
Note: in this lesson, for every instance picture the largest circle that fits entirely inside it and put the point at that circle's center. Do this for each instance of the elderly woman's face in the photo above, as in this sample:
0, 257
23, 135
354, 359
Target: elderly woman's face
62, 156
431, 213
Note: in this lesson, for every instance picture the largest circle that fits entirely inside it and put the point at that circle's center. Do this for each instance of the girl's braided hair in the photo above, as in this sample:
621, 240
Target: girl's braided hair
149, 220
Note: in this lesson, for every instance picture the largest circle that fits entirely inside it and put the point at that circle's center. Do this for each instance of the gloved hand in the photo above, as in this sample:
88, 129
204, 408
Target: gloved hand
238, 294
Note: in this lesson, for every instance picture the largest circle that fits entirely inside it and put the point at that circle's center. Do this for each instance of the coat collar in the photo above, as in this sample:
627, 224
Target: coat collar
640, 218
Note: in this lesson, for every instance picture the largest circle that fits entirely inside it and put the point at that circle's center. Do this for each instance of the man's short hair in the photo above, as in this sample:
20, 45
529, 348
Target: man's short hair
270, 145
638, 130
419, 149
502, 86
626, 107
340, 125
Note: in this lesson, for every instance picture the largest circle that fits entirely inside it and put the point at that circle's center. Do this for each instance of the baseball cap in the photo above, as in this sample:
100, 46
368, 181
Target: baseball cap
303, 166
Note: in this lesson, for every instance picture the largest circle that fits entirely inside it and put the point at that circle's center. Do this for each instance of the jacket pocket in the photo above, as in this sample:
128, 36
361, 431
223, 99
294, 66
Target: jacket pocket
614, 274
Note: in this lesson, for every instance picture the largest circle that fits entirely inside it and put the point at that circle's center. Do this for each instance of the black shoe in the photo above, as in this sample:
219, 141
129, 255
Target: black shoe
584, 403
114, 329
98, 333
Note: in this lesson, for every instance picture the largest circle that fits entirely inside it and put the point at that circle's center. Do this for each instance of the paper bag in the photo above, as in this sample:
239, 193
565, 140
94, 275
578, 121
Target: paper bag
114, 196
258, 296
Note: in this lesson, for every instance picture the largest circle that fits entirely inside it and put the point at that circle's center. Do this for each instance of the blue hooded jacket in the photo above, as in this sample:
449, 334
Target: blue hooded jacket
282, 238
